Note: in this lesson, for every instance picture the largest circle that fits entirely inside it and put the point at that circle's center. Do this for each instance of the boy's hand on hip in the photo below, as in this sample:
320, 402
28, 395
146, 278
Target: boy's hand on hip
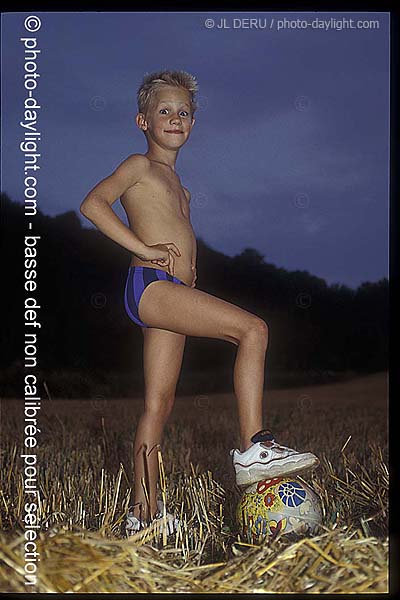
162, 255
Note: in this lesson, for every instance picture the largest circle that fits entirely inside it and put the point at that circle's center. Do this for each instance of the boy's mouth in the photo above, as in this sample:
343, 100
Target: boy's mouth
173, 131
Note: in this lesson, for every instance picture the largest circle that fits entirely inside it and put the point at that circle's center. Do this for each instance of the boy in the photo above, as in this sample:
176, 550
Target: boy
158, 209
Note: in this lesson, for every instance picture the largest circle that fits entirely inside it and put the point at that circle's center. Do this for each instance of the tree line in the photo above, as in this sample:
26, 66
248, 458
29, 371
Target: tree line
87, 341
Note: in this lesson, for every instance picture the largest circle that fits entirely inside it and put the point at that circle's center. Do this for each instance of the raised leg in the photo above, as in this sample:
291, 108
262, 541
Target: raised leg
248, 381
190, 311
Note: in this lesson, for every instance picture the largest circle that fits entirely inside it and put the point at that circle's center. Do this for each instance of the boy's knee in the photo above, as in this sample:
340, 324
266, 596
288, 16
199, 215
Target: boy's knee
259, 327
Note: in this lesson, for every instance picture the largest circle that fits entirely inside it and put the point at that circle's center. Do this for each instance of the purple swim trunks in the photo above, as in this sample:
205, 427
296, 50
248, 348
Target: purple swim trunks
137, 281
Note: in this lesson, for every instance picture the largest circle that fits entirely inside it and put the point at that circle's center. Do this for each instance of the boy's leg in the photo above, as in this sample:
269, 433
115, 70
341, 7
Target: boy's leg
190, 311
162, 360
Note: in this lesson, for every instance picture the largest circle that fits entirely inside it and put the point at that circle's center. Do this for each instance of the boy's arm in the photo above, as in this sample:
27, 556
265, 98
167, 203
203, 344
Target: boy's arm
97, 205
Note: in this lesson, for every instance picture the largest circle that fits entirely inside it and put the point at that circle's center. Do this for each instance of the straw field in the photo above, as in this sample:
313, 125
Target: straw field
85, 481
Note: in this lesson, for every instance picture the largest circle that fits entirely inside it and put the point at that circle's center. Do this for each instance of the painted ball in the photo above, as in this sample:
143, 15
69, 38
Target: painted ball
278, 506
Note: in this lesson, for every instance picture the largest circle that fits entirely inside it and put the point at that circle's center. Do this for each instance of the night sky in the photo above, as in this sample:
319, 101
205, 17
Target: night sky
290, 150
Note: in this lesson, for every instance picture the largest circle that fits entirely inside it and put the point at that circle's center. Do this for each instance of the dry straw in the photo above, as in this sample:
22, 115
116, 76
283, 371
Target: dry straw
82, 561
83, 501
75, 559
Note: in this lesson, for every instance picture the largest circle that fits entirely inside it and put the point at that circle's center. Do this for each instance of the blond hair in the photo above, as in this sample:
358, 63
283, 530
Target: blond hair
153, 81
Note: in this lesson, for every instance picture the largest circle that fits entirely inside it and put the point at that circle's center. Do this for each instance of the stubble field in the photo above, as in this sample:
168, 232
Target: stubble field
85, 478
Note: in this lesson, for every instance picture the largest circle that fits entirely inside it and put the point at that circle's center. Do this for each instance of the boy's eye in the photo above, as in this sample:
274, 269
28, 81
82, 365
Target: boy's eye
183, 113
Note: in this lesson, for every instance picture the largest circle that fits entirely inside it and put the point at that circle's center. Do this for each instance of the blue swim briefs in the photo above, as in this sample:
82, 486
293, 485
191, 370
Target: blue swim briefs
137, 281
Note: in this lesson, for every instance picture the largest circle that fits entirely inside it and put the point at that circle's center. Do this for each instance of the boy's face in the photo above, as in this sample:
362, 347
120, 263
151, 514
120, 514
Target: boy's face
168, 121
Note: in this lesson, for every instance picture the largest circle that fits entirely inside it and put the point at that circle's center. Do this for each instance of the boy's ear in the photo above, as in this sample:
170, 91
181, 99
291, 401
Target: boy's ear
193, 121
141, 121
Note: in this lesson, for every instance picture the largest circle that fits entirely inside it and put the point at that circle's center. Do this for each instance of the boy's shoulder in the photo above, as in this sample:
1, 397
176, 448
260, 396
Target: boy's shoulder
135, 166
137, 160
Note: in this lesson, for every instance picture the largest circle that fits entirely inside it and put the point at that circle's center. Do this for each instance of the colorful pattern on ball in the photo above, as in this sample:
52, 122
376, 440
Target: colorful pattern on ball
279, 505
291, 493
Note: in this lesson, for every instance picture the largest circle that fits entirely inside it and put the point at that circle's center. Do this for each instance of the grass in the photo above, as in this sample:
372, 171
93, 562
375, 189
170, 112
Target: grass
86, 477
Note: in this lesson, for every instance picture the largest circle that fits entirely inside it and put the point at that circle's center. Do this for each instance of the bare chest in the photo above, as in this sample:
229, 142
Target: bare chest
161, 193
